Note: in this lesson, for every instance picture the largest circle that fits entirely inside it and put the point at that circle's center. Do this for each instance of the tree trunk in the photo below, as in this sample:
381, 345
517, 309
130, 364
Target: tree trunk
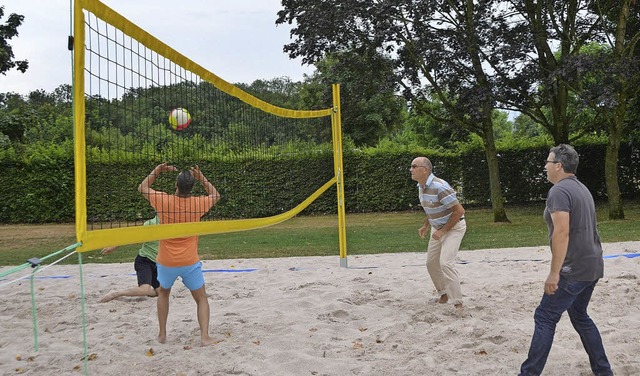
497, 200
616, 123
611, 171
558, 100
555, 91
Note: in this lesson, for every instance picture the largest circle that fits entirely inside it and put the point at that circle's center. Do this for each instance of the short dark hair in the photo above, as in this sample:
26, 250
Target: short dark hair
567, 156
185, 182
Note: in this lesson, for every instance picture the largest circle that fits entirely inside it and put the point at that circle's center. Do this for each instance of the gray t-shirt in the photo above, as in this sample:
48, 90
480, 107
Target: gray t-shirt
584, 254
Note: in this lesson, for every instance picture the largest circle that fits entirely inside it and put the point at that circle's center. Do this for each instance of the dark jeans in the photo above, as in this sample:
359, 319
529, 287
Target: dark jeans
573, 297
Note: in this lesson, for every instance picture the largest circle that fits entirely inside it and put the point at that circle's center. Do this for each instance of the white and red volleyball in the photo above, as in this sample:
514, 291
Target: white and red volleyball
179, 118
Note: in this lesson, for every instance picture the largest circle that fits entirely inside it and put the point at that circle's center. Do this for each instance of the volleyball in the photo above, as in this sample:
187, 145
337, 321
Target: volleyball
179, 118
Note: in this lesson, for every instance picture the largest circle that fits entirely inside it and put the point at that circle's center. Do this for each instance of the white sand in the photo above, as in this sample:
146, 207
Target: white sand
308, 316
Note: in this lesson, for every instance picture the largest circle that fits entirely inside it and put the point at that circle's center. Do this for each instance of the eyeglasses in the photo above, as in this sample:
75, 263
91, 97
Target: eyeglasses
552, 162
416, 166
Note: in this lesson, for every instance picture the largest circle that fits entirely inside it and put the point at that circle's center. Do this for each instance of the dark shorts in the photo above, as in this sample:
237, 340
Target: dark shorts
147, 272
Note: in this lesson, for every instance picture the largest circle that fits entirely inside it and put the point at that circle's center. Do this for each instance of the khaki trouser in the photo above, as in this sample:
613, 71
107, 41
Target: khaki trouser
441, 256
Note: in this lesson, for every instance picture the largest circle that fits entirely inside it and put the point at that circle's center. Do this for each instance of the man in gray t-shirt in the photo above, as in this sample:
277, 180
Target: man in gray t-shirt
576, 265
583, 261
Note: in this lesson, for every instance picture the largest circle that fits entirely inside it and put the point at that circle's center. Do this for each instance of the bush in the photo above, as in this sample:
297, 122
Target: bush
39, 188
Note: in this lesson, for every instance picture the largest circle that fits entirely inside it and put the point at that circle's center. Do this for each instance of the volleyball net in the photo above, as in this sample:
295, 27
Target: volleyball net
258, 155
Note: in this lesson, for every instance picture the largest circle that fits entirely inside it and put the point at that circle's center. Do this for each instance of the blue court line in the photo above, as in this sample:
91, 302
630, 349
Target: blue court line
295, 269
54, 277
516, 260
423, 265
212, 271
25, 278
133, 274
43, 277
627, 255
463, 262
229, 270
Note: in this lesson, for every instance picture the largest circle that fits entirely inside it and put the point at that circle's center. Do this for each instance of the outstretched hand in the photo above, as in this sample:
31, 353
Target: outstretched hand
145, 186
197, 174
108, 250
164, 167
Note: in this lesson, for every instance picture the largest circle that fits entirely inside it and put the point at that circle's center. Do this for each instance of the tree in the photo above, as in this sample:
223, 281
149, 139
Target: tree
542, 37
7, 32
437, 46
428, 132
371, 109
13, 117
567, 81
502, 127
38, 116
525, 127
610, 84
279, 91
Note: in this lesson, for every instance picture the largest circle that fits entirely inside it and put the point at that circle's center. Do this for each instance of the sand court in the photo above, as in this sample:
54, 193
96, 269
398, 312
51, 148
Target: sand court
308, 316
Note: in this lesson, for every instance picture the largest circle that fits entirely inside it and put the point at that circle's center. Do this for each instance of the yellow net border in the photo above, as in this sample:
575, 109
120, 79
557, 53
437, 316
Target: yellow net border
96, 239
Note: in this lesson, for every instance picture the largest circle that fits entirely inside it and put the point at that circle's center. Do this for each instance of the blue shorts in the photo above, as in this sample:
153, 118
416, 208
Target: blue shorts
191, 276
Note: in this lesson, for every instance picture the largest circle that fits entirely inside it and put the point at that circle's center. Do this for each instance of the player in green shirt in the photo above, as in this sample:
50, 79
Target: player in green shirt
146, 270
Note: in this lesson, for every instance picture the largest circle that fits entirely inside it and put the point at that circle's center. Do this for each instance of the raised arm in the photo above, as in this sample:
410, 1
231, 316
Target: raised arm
145, 186
211, 190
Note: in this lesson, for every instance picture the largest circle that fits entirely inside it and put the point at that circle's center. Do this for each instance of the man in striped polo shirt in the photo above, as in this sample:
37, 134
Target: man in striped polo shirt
445, 215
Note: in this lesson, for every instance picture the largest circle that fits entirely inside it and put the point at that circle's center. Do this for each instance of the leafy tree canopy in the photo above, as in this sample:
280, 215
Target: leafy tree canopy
7, 32
371, 109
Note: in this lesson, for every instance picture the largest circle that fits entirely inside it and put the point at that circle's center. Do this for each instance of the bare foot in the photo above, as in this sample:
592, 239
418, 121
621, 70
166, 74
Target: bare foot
208, 341
443, 299
162, 339
460, 310
109, 297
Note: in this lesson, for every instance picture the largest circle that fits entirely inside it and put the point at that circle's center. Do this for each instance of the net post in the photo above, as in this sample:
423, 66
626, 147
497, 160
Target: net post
35, 264
336, 127
79, 132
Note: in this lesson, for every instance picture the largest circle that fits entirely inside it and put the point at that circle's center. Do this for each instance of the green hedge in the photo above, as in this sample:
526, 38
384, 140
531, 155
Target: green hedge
523, 178
41, 190
37, 192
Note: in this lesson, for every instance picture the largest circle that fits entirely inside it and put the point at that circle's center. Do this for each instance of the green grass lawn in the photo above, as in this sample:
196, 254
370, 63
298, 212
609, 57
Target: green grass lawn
366, 234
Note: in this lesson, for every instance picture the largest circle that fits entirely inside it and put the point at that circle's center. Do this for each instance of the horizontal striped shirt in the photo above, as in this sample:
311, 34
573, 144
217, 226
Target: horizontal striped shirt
437, 198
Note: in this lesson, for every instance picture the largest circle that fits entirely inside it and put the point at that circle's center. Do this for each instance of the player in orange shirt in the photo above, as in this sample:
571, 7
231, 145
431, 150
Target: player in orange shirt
178, 257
